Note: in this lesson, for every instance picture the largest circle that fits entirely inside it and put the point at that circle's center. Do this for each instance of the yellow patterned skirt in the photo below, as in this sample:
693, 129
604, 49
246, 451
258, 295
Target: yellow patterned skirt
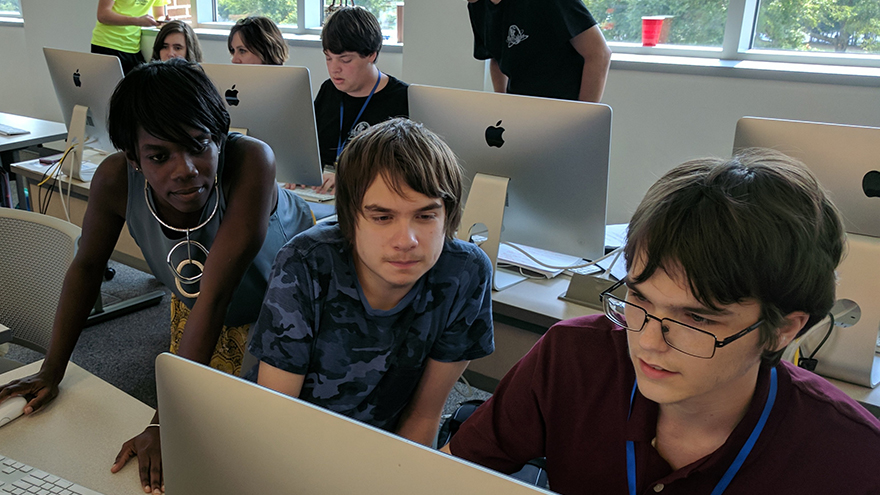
230, 348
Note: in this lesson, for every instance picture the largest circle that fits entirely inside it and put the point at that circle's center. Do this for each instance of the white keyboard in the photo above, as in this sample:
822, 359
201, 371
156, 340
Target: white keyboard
17, 478
8, 130
309, 194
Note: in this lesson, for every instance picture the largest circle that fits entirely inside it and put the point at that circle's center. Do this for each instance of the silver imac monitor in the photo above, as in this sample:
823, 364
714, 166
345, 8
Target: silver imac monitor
274, 104
83, 84
842, 157
846, 161
553, 153
223, 435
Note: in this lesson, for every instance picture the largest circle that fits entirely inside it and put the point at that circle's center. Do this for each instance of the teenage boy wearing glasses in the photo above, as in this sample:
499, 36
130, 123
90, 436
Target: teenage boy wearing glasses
728, 262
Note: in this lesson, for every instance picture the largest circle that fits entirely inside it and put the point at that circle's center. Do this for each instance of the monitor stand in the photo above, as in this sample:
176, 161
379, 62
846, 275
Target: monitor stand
485, 205
849, 353
76, 137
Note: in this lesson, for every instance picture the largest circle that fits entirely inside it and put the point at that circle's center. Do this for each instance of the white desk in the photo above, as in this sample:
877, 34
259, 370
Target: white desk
522, 313
5, 333
41, 131
78, 435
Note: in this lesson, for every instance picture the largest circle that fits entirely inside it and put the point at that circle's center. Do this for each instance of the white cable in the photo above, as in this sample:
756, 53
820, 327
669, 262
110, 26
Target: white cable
567, 267
66, 206
470, 389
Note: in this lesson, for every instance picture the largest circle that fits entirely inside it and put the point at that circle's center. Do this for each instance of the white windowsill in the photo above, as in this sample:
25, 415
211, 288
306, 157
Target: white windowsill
11, 22
750, 69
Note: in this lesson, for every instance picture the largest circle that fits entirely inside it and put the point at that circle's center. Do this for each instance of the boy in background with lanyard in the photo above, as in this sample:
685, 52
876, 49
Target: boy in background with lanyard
357, 94
678, 388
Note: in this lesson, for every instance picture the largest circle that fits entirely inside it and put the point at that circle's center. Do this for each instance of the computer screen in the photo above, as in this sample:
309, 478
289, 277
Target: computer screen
846, 161
84, 81
555, 154
274, 104
223, 435
842, 157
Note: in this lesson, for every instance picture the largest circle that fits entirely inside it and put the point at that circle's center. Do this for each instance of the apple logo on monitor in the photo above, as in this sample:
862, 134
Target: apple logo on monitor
76, 81
493, 135
871, 184
232, 96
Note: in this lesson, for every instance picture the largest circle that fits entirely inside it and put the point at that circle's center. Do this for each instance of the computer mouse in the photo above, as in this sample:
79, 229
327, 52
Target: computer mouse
11, 409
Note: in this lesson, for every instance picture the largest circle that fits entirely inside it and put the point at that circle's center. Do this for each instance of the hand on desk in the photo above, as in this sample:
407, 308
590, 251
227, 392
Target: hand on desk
146, 447
39, 388
327, 187
329, 183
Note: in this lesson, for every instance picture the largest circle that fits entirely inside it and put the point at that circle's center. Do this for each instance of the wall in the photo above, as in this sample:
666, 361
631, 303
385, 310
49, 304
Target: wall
660, 119
14, 97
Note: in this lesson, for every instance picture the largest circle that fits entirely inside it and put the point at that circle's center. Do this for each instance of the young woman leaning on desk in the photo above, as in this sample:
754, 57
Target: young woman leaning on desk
205, 210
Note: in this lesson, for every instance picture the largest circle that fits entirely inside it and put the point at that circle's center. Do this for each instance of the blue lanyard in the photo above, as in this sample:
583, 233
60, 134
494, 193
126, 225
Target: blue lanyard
737, 463
340, 144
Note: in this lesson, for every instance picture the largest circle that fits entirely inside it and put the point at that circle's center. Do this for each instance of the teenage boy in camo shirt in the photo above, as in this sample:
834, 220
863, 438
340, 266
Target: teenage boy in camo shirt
375, 317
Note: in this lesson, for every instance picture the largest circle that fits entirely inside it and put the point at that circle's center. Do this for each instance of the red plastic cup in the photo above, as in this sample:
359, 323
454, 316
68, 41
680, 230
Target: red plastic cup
651, 27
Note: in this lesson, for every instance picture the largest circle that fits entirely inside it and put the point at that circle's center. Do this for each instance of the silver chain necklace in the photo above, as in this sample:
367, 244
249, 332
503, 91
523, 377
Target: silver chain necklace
179, 278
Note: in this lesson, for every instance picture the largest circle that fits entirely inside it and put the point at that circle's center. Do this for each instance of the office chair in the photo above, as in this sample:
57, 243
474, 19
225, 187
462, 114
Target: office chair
35, 252
533, 472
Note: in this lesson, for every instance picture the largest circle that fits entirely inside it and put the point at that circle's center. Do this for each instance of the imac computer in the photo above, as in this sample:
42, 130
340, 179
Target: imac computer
223, 435
846, 161
552, 156
274, 104
83, 84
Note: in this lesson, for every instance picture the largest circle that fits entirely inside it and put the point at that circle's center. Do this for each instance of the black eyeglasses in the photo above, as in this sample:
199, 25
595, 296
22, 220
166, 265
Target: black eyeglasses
683, 338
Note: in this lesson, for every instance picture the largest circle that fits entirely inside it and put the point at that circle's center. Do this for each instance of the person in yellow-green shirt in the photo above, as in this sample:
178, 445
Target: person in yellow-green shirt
118, 31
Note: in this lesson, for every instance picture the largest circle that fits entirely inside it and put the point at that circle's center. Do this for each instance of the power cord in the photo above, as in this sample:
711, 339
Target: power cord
616, 253
809, 363
53, 172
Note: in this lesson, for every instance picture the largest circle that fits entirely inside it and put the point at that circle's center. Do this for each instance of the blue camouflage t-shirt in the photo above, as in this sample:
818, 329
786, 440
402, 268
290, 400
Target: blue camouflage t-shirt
359, 361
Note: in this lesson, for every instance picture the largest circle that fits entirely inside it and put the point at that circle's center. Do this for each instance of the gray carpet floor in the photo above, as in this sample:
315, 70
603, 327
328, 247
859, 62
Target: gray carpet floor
122, 351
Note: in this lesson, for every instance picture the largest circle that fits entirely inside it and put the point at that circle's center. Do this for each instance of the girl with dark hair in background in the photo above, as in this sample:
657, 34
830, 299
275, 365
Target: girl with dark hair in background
256, 40
177, 39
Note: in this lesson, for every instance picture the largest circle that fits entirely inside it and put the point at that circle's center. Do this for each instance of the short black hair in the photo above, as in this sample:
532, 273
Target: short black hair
757, 226
261, 36
166, 99
352, 29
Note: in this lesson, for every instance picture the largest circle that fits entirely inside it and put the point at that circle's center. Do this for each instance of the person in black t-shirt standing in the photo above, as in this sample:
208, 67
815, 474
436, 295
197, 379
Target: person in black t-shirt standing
357, 94
549, 48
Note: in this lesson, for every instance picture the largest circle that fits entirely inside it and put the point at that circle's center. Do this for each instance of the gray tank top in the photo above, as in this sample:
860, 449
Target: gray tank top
290, 217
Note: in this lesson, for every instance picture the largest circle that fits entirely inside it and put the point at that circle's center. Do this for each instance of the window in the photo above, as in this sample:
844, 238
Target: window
386, 12
687, 22
10, 8
283, 12
844, 32
851, 26
295, 16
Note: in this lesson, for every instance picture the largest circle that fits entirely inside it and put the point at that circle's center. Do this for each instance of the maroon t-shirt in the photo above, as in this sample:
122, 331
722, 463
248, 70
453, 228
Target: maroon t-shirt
568, 398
